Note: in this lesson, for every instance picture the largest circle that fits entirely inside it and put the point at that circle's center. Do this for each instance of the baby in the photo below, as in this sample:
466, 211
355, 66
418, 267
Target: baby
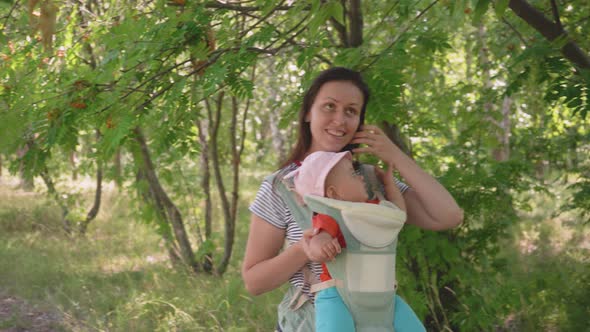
333, 175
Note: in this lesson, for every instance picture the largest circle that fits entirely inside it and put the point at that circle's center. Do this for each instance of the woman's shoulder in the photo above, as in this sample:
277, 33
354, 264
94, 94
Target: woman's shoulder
268, 203
271, 182
280, 173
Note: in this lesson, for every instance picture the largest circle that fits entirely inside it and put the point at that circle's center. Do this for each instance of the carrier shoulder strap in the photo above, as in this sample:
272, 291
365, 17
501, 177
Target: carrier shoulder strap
301, 214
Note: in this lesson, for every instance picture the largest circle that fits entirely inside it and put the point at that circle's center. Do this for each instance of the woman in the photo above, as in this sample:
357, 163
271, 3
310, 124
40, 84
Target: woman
331, 119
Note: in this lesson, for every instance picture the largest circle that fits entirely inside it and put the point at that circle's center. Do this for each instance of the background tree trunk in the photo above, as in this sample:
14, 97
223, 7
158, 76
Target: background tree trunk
26, 183
393, 132
72, 160
167, 209
355, 15
502, 152
118, 168
207, 261
65, 211
93, 212
274, 117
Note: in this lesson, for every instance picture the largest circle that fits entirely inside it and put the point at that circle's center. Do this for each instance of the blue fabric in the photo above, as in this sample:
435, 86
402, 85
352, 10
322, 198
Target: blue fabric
332, 314
405, 318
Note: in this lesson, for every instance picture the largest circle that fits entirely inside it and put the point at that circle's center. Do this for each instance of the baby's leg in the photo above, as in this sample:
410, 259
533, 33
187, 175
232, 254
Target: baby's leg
331, 314
405, 320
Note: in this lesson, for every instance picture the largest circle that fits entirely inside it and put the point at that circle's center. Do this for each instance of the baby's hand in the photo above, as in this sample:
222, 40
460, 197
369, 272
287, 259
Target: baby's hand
324, 247
385, 176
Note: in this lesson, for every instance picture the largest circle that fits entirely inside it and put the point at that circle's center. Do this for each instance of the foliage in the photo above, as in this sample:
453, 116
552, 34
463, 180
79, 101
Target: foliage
442, 72
115, 281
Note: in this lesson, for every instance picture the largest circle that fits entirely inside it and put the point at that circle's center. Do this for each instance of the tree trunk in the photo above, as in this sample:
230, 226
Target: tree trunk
207, 260
501, 128
26, 183
229, 206
572, 160
97, 195
355, 14
118, 168
225, 204
74, 167
67, 224
278, 140
502, 152
149, 198
166, 207
487, 88
392, 131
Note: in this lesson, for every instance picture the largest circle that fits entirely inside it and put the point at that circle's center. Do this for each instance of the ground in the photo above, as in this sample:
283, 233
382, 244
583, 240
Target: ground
17, 315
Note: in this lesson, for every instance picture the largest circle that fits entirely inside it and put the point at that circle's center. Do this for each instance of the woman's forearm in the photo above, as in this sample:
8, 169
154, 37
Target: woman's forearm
265, 266
436, 201
393, 195
274, 272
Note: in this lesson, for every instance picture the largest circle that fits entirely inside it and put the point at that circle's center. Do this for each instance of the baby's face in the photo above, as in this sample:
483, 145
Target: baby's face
346, 183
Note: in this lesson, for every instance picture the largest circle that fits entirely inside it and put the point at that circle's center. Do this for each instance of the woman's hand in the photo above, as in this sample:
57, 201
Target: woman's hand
377, 143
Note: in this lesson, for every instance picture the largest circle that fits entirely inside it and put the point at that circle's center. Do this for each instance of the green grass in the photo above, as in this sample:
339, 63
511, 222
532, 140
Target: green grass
118, 278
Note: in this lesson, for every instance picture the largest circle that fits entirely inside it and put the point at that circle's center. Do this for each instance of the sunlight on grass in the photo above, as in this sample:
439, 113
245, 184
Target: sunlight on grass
118, 278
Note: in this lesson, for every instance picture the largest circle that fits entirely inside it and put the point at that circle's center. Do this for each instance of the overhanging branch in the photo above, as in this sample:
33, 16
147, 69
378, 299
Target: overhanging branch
550, 30
227, 6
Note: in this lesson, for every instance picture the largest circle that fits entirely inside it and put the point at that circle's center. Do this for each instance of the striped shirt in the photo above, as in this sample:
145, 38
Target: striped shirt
270, 206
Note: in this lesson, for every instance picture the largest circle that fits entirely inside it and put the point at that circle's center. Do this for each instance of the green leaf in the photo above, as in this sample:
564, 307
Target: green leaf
324, 12
335, 10
500, 7
480, 9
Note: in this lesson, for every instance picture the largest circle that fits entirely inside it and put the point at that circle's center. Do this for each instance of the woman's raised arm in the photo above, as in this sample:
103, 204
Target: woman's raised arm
429, 205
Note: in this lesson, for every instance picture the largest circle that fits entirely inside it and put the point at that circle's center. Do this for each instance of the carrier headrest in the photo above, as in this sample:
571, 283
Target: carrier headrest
374, 225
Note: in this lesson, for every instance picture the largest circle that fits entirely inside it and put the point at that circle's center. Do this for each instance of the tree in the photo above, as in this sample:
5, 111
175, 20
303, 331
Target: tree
162, 95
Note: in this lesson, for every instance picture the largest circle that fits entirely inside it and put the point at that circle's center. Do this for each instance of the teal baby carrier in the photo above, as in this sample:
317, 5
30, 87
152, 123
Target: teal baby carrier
364, 273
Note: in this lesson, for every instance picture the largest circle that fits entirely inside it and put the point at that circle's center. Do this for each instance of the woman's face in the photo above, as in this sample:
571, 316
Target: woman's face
334, 116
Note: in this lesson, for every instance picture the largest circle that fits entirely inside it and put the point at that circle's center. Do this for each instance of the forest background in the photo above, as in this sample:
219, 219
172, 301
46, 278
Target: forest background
134, 134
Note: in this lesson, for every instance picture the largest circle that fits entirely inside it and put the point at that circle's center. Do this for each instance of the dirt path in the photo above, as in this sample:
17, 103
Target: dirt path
17, 315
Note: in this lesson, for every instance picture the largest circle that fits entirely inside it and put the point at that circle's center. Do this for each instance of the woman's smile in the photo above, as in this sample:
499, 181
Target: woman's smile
334, 116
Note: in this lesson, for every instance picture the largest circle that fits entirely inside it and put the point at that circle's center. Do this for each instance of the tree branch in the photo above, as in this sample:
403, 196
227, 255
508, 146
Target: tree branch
263, 19
7, 17
398, 36
556, 15
550, 30
221, 5
341, 29
379, 25
518, 34
355, 38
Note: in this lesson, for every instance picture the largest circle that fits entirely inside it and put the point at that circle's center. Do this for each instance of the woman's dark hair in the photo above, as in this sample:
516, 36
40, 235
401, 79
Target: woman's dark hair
304, 131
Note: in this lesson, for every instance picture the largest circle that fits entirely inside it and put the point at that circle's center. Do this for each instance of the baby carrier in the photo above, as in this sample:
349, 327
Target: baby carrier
364, 273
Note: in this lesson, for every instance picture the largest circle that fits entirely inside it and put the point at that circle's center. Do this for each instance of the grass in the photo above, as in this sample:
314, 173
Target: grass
117, 278
549, 265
